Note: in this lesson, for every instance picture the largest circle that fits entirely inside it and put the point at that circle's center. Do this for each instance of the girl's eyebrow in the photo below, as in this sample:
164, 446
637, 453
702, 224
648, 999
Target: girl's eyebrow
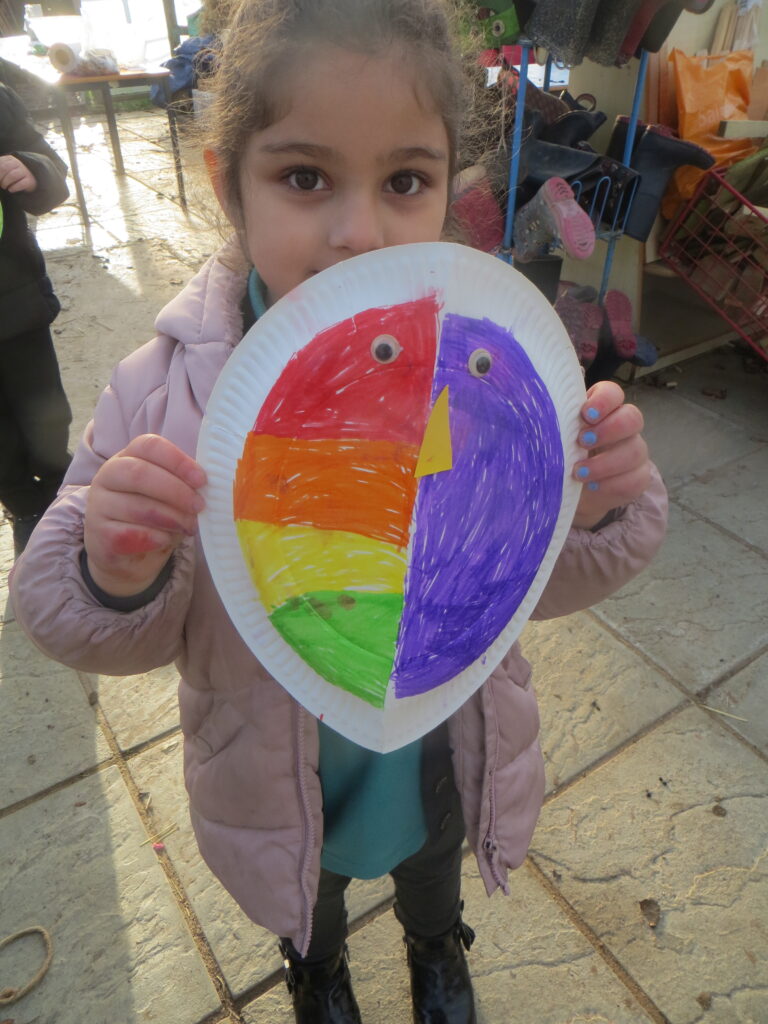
317, 152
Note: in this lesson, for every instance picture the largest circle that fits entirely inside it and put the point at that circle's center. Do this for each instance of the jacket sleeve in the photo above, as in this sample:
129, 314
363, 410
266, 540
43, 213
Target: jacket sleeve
593, 565
49, 170
51, 601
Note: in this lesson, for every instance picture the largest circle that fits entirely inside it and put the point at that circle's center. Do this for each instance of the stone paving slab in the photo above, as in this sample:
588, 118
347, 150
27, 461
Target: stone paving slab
710, 441
140, 708
528, 963
744, 699
74, 863
700, 609
733, 496
594, 693
50, 732
246, 953
679, 820
6, 561
744, 401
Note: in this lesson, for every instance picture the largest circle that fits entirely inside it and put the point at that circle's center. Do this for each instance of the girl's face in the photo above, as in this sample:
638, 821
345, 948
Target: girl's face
359, 162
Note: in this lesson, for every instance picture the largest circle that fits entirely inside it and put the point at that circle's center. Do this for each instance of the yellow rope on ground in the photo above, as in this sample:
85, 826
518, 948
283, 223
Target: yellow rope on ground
12, 995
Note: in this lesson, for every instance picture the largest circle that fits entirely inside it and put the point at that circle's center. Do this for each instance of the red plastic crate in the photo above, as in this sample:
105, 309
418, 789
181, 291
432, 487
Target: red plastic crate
718, 243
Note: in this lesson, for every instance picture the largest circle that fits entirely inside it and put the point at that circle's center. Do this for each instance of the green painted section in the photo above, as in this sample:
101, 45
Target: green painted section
348, 638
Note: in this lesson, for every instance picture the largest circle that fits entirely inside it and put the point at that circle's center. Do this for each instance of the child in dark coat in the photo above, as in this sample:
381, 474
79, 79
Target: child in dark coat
34, 412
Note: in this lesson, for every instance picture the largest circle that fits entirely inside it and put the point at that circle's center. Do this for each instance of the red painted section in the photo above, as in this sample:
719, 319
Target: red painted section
334, 388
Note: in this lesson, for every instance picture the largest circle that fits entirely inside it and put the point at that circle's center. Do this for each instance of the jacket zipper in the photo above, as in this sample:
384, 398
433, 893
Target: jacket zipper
309, 827
489, 843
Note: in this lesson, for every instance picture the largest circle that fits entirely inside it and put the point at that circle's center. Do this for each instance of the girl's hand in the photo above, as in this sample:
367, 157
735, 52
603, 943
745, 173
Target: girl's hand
141, 504
16, 176
617, 470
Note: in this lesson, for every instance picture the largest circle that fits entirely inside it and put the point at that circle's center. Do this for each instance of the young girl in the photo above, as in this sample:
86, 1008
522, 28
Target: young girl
336, 127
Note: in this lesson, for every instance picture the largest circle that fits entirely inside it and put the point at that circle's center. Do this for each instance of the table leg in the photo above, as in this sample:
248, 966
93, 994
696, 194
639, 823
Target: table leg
173, 129
112, 125
62, 106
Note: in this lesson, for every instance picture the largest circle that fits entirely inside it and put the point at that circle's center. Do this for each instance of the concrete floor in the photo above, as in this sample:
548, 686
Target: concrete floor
645, 895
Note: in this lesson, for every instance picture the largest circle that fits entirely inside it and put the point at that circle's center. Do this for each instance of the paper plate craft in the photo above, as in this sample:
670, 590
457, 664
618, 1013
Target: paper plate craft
389, 454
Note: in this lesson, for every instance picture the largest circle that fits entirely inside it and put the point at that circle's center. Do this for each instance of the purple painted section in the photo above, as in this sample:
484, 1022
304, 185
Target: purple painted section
482, 528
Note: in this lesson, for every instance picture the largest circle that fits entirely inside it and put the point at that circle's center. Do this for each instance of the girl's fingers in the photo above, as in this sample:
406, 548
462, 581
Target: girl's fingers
619, 458
135, 509
616, 491
603, 398
128, 475
624, 422
166, 455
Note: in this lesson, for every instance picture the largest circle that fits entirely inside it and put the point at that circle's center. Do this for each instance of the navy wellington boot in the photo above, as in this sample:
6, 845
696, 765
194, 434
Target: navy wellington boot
656, 156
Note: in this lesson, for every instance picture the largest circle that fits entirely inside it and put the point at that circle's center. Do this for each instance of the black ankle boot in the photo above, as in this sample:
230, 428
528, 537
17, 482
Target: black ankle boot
441, 989
321, 991
656, 155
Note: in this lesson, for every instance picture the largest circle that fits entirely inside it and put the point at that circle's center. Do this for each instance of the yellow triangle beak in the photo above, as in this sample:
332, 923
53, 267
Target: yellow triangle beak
436, 453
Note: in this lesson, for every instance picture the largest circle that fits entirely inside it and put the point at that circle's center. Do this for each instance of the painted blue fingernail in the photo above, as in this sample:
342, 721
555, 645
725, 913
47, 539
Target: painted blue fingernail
589, 437
583, 472
593, 414
593, 486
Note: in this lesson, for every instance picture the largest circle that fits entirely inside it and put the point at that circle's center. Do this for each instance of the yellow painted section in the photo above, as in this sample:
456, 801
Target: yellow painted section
288, 561
436, 453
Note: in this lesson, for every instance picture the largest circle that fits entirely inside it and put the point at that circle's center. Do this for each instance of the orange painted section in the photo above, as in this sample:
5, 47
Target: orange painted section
365, 487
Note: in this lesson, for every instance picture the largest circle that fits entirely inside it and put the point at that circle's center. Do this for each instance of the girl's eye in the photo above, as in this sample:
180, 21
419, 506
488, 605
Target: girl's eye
479, 363
306, 180
405, 183
385, 348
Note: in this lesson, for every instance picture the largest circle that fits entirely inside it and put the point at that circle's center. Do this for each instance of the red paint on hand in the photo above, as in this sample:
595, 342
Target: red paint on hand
134, 542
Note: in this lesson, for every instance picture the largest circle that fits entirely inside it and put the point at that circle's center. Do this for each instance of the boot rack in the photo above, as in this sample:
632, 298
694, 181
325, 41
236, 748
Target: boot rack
599, 205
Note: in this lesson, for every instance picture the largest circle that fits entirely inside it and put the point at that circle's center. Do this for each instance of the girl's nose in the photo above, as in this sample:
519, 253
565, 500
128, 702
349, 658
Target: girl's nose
356, 224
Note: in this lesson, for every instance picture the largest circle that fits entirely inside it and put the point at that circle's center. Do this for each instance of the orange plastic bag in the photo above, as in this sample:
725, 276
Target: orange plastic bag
709, 90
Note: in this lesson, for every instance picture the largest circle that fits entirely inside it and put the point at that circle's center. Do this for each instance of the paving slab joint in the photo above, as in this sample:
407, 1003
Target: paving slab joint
615, 965
191, 919
732, 535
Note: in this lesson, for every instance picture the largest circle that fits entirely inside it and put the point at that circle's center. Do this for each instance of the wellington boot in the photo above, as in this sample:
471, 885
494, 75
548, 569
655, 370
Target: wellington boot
574, 127
553, 216
582, 321
656, 155
543, 160
641, 23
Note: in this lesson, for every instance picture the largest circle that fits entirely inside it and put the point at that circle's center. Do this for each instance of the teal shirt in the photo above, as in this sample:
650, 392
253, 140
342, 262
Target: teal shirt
372, 809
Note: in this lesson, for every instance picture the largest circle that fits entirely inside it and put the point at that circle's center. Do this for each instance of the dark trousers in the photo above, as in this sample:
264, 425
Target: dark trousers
427, 884
34, 423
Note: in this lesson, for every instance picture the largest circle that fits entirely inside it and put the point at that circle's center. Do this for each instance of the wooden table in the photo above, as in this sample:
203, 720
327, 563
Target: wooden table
64, 85
60, 87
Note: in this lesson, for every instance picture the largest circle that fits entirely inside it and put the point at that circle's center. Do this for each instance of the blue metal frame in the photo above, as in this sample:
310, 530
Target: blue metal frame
601, 191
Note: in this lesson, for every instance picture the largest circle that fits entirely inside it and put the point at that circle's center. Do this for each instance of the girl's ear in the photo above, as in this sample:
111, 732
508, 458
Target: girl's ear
212, 166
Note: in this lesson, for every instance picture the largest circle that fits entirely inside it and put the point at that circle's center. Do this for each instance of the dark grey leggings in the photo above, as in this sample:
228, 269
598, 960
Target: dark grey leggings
427, 893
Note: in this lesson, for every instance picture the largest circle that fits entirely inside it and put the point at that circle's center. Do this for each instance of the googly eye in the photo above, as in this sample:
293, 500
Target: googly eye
479, 363
385, 348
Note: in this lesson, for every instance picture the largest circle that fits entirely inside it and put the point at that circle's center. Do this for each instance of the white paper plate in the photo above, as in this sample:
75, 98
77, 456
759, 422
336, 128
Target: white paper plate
480, 539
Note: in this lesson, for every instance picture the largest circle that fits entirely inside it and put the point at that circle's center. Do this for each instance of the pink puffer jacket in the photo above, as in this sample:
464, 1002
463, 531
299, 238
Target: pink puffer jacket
251, 752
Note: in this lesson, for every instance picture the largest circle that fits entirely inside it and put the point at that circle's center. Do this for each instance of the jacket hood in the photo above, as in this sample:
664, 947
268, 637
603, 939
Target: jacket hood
205, 317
